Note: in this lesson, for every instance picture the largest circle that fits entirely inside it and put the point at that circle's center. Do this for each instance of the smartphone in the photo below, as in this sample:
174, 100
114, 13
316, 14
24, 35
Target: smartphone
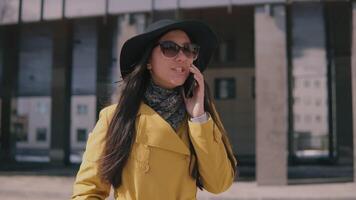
189, 86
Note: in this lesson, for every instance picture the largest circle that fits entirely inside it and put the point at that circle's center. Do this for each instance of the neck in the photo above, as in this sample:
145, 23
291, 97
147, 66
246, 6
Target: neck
160, 84
155, 85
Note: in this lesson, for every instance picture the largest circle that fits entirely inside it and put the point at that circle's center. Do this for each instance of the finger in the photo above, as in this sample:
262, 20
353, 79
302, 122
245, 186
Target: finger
196, 72
192, 69
198, 76
195, 67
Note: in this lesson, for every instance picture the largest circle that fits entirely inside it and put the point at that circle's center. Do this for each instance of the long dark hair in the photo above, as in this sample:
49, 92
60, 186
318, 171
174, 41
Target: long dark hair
122, 131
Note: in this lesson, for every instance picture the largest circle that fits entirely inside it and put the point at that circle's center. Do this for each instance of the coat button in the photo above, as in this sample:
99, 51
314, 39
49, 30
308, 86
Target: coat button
147, 168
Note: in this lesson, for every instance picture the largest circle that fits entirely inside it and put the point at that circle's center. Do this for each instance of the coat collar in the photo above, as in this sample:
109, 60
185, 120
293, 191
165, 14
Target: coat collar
153, 130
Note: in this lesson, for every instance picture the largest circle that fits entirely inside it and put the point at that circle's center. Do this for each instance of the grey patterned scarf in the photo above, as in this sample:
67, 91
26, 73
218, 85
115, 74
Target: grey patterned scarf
168, 103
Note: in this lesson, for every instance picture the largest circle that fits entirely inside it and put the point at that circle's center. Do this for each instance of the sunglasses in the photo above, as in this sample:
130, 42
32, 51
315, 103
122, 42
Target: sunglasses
171, 49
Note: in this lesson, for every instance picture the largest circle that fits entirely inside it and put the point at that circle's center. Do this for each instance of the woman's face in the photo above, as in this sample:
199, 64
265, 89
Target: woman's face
170, 72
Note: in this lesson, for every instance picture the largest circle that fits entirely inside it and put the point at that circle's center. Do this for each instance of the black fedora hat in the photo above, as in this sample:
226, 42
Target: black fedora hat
198, 32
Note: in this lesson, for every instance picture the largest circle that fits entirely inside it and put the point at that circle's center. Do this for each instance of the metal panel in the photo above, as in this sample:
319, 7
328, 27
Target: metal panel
9, 11
31, 10
84, 57
84, 8
35, 61
124, 6
52, 9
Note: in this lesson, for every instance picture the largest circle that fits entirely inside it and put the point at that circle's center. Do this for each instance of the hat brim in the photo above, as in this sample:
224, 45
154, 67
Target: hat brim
197, 31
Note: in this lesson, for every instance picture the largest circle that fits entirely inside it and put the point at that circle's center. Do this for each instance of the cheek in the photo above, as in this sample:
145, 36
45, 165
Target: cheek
160, 68
157, 62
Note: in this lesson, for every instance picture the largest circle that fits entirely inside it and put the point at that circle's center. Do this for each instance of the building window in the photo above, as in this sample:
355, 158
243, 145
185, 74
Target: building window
82, 109
42, 107
225, 88
41, 134
132, 19
231, 50
318, 118
81, 135
306, 83
222, 51
21, 134
318, 102
317, 84
226, 51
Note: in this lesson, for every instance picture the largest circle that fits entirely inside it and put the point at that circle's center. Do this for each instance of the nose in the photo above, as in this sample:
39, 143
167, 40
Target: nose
181, 57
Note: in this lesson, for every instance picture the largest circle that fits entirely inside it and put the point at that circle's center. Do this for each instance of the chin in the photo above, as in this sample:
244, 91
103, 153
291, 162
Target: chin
177, 83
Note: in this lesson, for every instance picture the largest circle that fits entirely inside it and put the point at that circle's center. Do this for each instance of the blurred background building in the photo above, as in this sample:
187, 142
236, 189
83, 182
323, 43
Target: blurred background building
281, 77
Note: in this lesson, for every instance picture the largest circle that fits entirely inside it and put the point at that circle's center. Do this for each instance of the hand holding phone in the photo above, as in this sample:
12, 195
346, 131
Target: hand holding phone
189, 86
193, 89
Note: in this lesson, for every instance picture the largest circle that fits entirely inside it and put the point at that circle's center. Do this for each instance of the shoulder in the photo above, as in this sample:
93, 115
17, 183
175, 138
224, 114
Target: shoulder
108, 111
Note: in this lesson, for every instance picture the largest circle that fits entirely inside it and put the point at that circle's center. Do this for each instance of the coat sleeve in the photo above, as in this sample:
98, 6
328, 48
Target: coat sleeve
215, 168
88, 185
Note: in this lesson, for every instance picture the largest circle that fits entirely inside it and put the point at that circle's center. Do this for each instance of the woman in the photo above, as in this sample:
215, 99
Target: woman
157, 143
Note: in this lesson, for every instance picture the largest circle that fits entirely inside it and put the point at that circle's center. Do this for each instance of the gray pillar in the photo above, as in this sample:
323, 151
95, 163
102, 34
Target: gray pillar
61, 92
10, 45
271, 95
354, 83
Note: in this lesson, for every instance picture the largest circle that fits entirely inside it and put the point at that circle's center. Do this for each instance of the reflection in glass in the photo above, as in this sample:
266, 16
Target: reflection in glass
310, 88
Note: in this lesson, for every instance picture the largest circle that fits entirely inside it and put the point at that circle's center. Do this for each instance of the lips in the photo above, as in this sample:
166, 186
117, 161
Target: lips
179, 69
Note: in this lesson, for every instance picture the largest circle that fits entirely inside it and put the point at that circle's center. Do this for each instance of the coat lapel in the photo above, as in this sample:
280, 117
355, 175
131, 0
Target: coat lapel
153, 130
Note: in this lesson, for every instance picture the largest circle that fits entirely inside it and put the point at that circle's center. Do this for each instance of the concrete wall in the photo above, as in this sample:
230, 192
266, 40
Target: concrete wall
272, 96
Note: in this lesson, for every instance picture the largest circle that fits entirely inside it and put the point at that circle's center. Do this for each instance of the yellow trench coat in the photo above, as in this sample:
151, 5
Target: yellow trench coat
158, 167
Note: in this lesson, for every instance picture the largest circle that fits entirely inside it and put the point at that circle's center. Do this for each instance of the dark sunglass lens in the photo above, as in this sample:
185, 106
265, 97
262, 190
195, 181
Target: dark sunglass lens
191, 50
169, 49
